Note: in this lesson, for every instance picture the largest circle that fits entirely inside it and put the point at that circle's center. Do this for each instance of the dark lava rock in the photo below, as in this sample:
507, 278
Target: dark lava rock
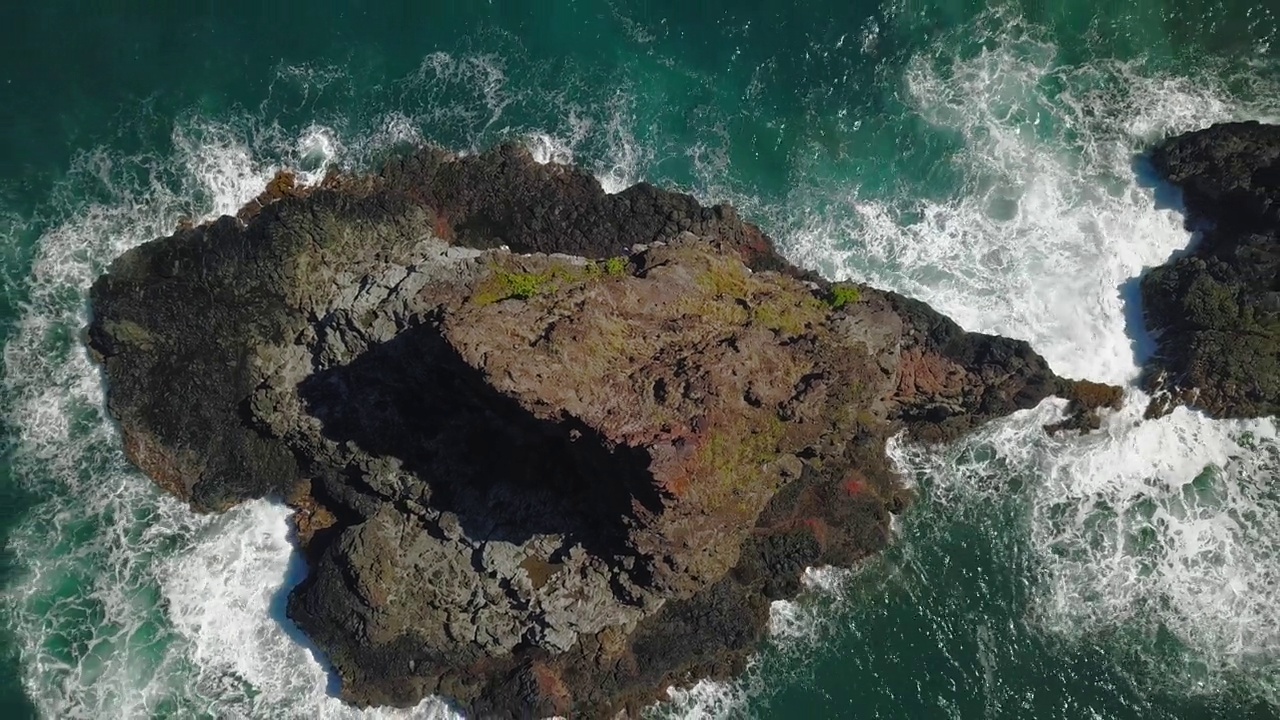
1215, 311
551, 450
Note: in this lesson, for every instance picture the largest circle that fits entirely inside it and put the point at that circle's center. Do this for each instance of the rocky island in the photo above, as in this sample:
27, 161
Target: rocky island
551, 450
1215, 309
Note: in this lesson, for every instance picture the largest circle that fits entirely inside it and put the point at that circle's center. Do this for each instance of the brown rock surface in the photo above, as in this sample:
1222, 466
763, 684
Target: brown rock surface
548, 478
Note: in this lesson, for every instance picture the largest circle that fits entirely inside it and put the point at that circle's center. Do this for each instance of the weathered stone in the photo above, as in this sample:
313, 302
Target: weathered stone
551, 477
1213, 310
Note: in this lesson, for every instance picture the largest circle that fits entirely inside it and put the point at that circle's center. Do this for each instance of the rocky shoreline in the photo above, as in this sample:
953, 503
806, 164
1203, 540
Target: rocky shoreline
1215, 309
551, 450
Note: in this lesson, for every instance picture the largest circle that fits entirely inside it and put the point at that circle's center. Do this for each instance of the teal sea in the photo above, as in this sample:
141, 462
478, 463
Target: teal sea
983, 155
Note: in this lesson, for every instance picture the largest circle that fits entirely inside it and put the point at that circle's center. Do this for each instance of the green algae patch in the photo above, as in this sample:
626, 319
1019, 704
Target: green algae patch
725, 279
735, 296
615, 266
843, 294
507, 282
732, 467
788, 314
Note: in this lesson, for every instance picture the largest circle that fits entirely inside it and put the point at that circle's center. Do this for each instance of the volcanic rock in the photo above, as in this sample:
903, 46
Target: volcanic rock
551, 450
1215, 310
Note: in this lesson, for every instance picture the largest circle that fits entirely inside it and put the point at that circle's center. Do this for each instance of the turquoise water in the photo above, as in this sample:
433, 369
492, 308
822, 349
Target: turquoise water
981, 156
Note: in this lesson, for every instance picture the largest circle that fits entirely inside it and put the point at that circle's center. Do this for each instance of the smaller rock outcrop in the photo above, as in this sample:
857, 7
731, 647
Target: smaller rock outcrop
1215, 310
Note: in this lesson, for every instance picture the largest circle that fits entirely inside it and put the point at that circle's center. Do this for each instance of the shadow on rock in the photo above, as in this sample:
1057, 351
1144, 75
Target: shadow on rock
1141, 340
472, 451
1167, 196
294, 575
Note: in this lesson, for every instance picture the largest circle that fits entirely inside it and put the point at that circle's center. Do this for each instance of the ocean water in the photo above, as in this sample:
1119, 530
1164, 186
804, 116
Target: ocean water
983, 156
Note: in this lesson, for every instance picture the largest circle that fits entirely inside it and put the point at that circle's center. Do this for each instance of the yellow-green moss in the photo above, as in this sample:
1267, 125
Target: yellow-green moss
725, 279
843, 294
868, 419
615, 267
505, 284
735, 297
789, 314
609, 339
730, 463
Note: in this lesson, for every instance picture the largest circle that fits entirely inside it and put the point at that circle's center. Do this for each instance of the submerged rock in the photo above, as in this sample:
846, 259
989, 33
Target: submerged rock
551, 450
1215, 310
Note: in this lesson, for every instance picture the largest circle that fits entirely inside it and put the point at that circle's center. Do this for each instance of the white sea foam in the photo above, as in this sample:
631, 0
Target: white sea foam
226, 596
1046, 235
548, 149
442, 76
623, 158
796, 625
706, 700
131, 604
397, 129
91, 642
1144, 525
315, 150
